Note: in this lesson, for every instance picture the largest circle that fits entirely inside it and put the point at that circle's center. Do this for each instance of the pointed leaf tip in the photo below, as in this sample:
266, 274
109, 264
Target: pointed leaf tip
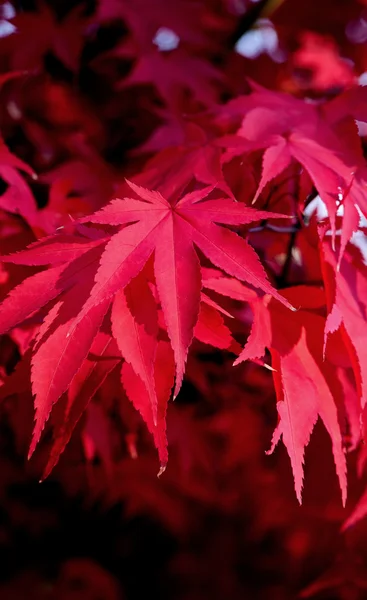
161, 470
269, 367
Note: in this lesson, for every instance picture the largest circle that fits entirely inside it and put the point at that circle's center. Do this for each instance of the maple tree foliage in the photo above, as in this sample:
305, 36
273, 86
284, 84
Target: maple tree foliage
182, 180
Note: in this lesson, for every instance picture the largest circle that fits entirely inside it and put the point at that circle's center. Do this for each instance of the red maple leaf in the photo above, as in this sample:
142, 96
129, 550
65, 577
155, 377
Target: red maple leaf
172, 232
305, 382
90, 269
38, 32
290, 130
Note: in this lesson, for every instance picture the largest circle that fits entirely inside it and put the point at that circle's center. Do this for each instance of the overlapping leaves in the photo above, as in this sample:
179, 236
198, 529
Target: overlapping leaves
92, 268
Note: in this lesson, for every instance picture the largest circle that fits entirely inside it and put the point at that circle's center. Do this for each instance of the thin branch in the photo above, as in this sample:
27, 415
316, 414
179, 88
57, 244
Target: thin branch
248, 20
276, 228
283, 277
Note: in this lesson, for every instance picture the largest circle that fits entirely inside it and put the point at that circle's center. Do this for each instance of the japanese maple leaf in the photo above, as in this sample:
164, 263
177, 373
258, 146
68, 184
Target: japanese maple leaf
289, 130
305, 384
172, 71
172, 232
39, 32
90, 269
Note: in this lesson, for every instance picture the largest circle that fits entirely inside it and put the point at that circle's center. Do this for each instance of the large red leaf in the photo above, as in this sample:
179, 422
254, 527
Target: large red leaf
173, 231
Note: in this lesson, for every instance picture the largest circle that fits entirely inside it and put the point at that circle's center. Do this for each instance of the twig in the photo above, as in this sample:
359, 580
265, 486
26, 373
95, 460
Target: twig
247, 21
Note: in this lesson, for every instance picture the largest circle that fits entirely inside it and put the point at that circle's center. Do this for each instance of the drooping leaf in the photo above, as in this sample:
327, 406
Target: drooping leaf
304, 381
135, 390
83, 387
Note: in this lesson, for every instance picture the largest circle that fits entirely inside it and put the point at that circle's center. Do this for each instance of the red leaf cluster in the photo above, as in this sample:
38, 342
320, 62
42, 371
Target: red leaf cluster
156, 201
